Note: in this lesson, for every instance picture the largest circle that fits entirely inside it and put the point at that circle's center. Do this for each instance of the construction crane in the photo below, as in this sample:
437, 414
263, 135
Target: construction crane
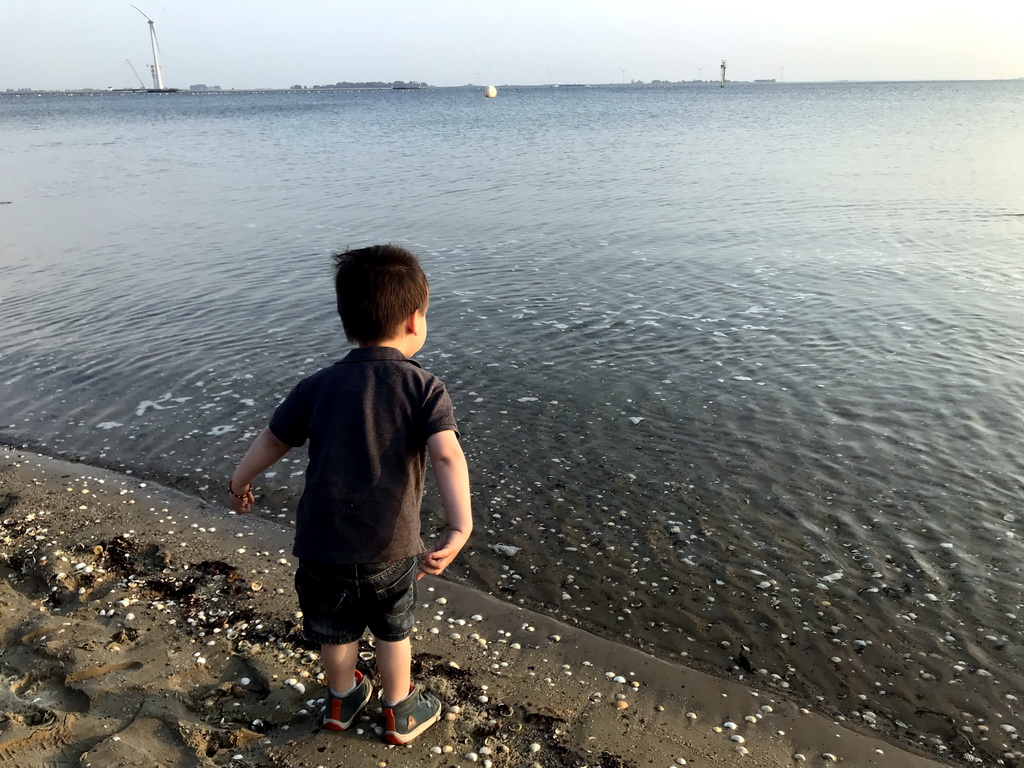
128, 61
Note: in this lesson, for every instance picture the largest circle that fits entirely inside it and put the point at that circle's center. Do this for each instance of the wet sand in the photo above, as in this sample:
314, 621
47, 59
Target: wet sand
144, 626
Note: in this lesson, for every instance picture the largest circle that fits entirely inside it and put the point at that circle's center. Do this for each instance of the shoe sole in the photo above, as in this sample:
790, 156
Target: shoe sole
400, 739
340, 725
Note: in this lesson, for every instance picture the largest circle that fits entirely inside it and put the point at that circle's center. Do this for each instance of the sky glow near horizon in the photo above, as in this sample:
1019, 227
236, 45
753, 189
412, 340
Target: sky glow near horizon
66, 44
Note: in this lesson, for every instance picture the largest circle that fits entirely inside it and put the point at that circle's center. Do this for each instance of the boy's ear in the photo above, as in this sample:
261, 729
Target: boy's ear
410, 323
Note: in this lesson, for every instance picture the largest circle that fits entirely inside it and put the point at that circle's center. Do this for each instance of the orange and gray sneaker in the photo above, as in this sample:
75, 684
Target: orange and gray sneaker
342, 710
410, 717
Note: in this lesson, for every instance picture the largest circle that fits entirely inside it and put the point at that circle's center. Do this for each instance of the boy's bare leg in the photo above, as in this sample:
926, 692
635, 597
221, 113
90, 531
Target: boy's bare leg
340, 665
394, 662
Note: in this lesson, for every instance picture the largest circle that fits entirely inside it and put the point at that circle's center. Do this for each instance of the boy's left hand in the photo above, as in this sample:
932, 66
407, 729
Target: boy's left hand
440, 556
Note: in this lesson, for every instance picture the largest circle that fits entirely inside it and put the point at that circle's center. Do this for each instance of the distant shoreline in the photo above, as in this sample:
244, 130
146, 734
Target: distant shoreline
472, 86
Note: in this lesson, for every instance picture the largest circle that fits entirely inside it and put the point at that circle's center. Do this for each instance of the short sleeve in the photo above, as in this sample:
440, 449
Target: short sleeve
438, 413
290, 422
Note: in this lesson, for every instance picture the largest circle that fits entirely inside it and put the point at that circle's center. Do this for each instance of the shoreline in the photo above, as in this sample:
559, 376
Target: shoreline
134, 612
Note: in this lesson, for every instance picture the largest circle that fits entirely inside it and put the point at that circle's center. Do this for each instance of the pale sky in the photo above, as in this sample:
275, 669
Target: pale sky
58, 44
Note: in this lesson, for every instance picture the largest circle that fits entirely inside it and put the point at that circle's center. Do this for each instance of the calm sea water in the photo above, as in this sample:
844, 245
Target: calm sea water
699, 338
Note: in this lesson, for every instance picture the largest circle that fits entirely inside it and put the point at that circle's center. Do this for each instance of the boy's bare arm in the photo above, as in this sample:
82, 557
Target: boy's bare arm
452, 476
264, 452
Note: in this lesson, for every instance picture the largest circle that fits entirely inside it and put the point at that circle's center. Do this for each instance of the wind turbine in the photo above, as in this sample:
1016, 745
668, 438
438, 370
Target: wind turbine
158, 79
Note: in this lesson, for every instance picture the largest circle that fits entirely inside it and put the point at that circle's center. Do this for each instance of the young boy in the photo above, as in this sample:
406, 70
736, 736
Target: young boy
370, 419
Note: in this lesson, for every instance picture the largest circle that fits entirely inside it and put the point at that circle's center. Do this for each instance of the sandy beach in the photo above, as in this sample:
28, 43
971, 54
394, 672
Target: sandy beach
144, 627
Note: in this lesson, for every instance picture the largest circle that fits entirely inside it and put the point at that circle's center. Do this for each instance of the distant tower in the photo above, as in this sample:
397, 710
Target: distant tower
158, 79
723, 73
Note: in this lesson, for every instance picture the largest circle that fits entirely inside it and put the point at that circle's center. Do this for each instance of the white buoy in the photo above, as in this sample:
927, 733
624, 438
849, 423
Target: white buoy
490, 91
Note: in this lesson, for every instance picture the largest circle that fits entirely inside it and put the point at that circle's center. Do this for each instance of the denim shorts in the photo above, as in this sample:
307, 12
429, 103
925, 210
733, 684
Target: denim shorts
339, 602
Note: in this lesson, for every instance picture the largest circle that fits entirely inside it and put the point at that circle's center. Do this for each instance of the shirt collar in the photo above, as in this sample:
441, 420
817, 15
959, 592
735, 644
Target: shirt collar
372, 354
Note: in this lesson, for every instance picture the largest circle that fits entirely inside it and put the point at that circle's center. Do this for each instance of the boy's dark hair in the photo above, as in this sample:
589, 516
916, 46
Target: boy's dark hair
378, 288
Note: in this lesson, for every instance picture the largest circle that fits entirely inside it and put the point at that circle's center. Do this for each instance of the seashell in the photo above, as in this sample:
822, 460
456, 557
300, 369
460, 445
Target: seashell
737, 738
255, 586
728, 725
622, 705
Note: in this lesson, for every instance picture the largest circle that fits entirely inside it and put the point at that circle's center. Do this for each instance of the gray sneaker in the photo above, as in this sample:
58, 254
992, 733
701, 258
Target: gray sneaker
410, 717
342, 710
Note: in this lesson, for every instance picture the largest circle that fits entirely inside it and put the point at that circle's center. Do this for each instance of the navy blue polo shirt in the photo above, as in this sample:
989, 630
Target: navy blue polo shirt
367, 419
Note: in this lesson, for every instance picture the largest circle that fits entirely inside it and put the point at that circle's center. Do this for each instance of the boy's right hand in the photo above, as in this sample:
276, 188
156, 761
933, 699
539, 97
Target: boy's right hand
241, 505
